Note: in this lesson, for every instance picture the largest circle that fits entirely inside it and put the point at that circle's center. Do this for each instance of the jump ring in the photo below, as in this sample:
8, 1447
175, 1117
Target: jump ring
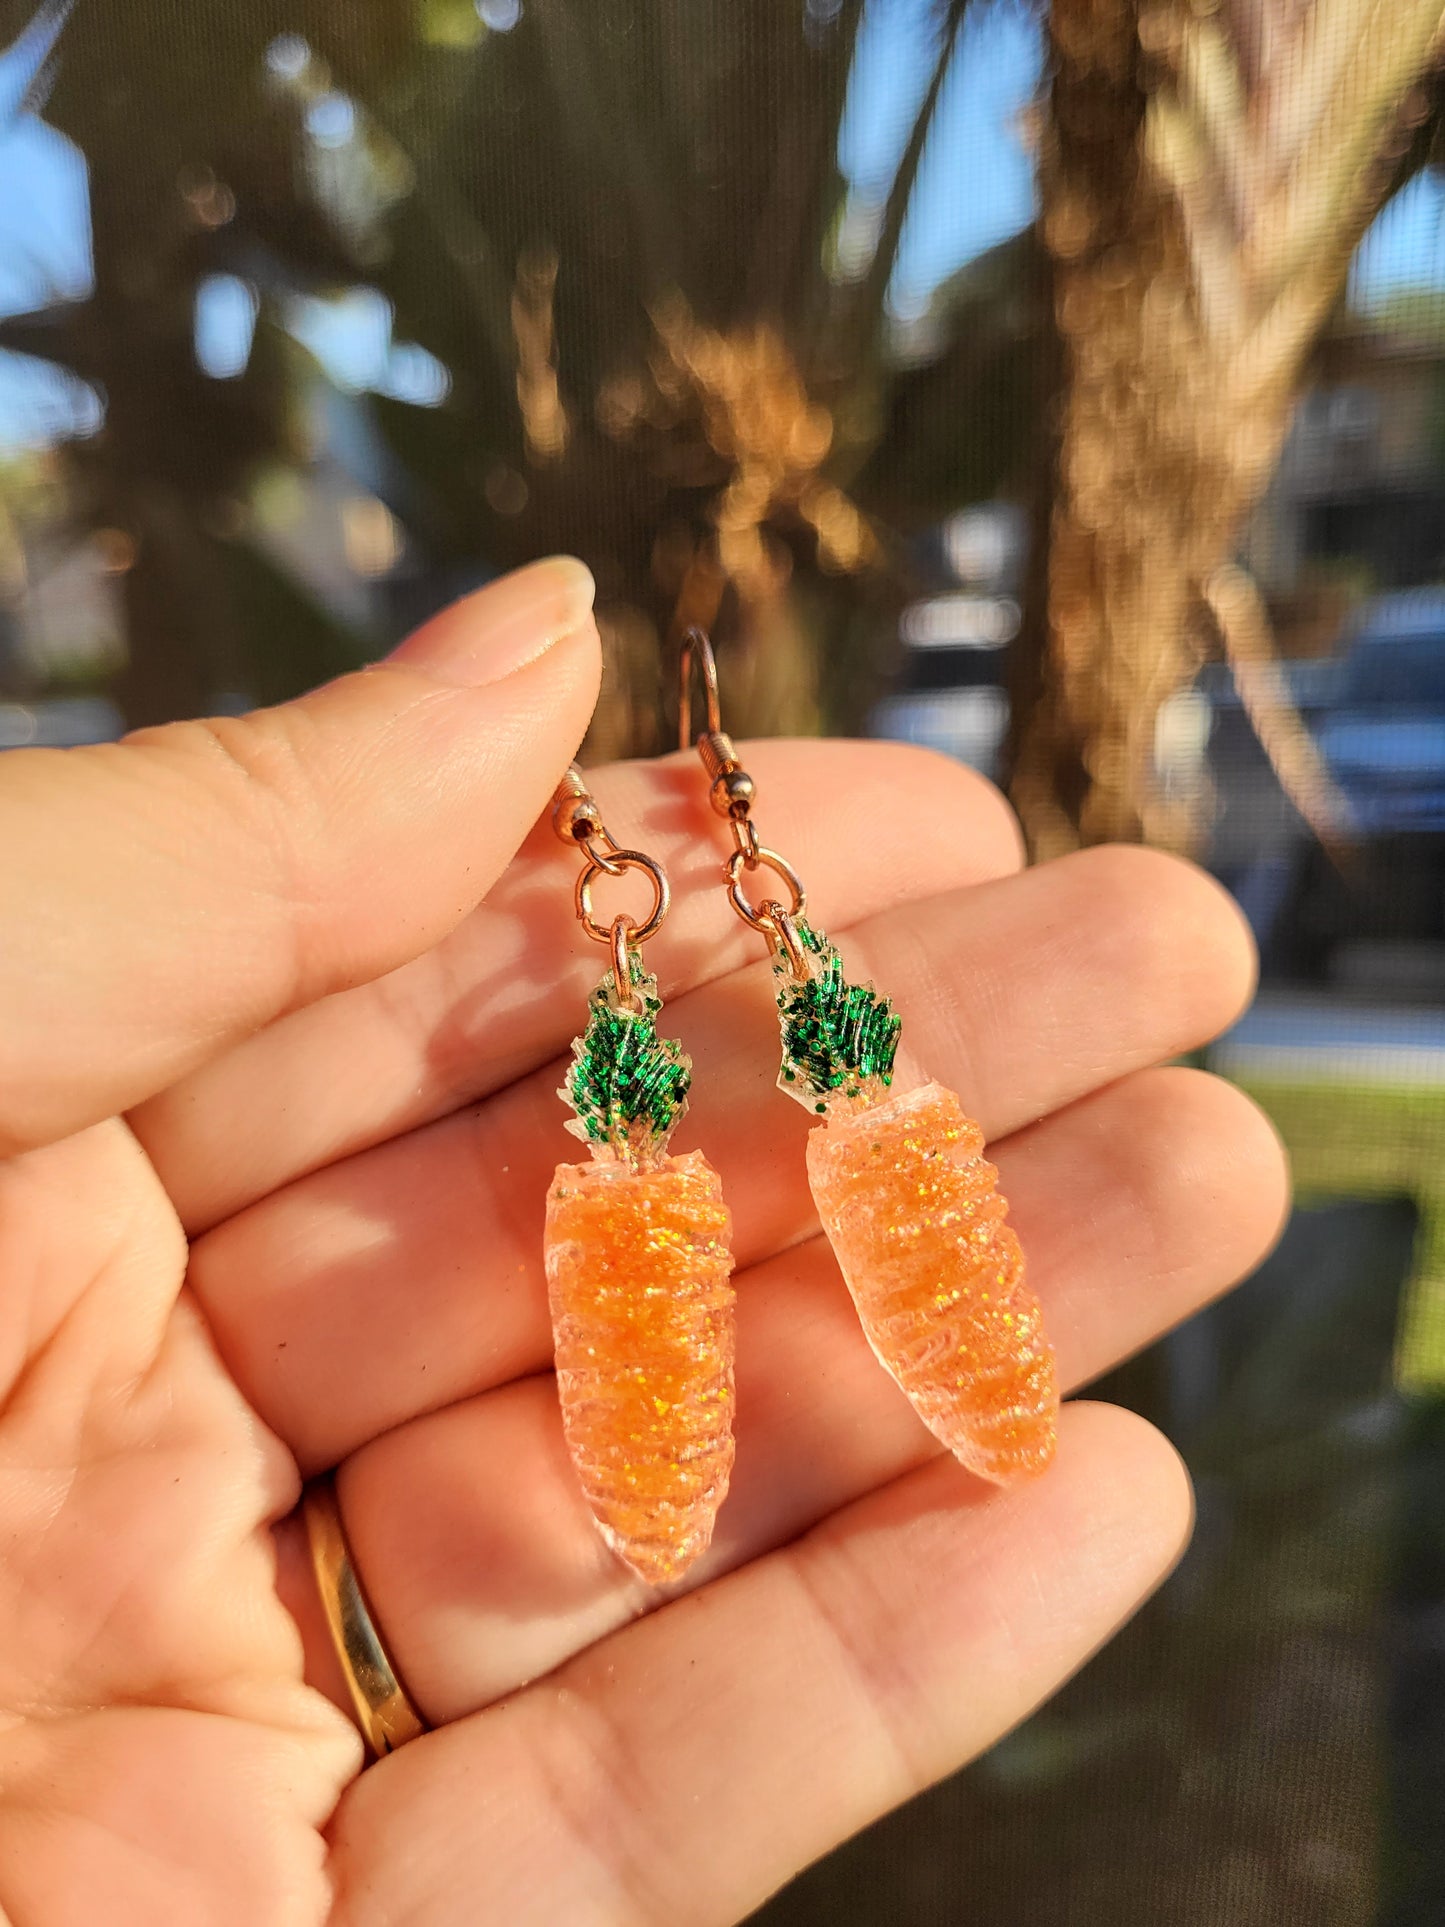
623, 860
623, 933
785, 934
766, 860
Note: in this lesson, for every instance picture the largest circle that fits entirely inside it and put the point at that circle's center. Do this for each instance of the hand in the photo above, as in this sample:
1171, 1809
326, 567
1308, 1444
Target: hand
244, 991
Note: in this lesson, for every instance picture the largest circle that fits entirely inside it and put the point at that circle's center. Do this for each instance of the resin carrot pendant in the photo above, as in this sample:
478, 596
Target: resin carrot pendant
906, 1198
913, 1212
639, 1273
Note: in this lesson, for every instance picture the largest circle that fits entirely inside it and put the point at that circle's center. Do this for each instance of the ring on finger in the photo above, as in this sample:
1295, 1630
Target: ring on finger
384, 1712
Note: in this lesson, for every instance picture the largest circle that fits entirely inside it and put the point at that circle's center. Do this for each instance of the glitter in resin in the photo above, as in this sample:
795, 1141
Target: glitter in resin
914, 1215
627, 1085
642, 1312
837, 1036
913, 1212
639, 1276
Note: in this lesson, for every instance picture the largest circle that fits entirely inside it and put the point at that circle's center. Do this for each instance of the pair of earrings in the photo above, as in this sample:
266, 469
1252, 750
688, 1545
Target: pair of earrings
637, 1254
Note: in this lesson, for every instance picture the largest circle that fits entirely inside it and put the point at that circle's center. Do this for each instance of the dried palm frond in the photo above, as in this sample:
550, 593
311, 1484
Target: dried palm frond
1234, 601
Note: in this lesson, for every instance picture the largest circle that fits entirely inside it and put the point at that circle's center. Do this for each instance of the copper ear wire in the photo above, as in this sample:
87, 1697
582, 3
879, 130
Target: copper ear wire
577, 820
732, 791
730, 788
696, 647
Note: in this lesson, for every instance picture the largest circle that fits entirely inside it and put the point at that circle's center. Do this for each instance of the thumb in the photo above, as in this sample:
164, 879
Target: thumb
162, 896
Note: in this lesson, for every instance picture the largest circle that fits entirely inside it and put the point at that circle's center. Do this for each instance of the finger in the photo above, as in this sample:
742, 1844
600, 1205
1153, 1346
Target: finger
169, 894
684, 1768
1136, 1206
505, 993
412, 1275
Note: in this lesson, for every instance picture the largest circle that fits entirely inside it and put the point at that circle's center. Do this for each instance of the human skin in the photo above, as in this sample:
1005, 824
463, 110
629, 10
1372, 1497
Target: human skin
277, 1119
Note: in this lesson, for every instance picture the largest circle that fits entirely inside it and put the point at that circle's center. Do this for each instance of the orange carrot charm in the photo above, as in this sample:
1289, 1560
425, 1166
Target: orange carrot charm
915, 1218
913, 1213
637, 1259
638, 1268
908, 1202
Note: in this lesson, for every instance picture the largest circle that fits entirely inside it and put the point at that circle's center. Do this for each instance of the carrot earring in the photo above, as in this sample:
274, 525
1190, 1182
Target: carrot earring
637, 1255
906, 1198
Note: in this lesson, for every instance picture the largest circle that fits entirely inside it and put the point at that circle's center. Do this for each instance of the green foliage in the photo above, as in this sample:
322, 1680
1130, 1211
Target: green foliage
837, 1036
1376, 1140
627, 1085
1417, 314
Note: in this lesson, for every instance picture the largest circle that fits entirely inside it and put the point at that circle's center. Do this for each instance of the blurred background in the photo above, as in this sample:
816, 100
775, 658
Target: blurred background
1061, 386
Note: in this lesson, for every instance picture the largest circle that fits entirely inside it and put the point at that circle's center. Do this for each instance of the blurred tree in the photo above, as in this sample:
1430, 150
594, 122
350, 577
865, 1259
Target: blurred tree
664, 346
1207, 175
171, 154
620, 244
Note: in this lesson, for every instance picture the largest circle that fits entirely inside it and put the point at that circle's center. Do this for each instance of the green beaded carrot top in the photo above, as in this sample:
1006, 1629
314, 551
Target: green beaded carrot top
627, 1085
839, 1039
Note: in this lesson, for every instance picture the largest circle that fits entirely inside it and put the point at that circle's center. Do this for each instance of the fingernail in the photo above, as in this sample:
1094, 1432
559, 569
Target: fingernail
503, 627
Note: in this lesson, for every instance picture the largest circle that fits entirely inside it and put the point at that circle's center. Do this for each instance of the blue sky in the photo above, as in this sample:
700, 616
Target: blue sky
975, 187
975, 184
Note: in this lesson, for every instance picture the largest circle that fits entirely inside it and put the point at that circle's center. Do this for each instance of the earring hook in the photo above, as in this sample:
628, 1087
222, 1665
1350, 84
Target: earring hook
731, 791
730, 786
696, 647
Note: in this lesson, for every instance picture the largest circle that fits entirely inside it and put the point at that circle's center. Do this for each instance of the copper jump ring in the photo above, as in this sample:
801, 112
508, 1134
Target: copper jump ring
625, 989
622, 860
783, 933
766, 860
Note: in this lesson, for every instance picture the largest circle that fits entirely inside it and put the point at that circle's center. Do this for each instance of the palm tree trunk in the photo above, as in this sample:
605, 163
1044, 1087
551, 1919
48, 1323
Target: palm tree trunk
1203, 187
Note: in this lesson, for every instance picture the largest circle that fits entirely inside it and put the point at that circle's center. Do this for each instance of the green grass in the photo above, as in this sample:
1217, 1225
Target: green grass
1357, 1140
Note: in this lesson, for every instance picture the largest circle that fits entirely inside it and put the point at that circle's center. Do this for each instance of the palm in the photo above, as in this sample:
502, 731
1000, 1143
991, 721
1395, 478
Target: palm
362, 1181
371, 1279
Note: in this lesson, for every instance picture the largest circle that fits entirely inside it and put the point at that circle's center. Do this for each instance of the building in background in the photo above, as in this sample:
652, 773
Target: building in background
1357, 503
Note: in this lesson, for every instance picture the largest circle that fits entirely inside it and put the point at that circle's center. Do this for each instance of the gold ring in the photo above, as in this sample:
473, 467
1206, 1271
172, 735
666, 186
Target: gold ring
386, 1716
